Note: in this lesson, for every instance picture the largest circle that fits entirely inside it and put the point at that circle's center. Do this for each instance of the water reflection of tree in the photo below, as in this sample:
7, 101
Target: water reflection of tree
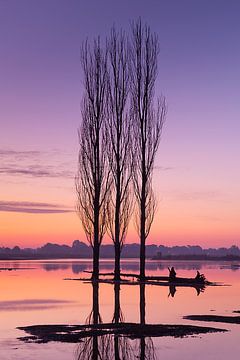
146, 346
107, 346
112, 346
95, 347
123, 349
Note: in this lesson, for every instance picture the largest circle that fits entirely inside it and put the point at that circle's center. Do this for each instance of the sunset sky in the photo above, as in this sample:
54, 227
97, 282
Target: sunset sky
197, 172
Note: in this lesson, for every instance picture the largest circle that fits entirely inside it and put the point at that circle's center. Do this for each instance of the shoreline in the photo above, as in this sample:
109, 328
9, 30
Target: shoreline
169, 258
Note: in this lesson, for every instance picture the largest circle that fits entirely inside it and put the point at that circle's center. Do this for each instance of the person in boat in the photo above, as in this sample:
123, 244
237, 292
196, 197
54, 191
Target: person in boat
172, 274
200, 277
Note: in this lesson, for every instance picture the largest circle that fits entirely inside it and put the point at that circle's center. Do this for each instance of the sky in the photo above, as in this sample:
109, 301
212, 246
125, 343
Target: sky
197, 172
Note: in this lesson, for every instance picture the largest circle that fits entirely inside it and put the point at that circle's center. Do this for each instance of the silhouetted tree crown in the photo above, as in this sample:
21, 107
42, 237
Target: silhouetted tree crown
118, 138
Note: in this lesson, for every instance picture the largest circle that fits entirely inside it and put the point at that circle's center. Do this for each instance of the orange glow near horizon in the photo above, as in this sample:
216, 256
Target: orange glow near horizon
185, 216
169, 228
33, 230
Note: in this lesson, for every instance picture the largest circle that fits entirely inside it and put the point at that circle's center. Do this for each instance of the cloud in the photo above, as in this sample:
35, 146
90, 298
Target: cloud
200, 195
34, 164
9, 152
209, 218
32, 207
191, 195
164, 168
31, 304
35, 171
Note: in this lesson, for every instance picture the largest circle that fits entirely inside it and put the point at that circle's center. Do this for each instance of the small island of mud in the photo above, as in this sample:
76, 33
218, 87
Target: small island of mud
75, 333
215, 318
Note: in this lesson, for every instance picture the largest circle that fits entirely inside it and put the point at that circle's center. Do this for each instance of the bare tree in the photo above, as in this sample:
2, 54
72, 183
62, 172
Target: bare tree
148, 116
93, 178
120, 142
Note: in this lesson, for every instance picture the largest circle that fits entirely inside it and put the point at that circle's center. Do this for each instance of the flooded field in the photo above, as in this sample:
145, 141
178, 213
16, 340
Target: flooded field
35, 293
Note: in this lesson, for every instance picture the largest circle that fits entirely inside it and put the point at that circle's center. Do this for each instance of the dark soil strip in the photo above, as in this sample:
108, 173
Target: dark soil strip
158, 278
215, 318
75, 333
15, 269
147, 282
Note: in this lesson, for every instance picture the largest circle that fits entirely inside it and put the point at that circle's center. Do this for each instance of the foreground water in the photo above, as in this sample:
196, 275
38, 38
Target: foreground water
38, 294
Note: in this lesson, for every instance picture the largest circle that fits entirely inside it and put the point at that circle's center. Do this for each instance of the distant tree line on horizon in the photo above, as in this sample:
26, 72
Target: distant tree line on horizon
81, 250
121, 126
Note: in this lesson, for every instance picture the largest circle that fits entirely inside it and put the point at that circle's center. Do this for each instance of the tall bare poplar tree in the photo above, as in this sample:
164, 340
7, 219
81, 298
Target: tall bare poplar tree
93, 179
148, 116
120, 142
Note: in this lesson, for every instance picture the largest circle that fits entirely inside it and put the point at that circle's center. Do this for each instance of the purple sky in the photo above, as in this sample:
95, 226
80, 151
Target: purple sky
198, 172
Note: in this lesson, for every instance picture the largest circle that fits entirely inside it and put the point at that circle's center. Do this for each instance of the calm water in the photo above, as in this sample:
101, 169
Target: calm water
37, 294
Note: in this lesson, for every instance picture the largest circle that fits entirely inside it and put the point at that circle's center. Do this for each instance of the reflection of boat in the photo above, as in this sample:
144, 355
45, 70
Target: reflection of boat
172, 285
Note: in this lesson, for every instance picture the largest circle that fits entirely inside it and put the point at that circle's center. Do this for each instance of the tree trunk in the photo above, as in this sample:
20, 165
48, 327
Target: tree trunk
117, 270
116, 348
96, 244
142, 321
117, 244
95, 310
95, 300
142, 304
95, 348
142, 257
116, 318
142, 228
95, 273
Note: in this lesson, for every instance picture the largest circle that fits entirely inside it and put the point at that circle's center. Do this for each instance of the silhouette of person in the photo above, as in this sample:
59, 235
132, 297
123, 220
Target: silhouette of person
172, 274
200, 277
